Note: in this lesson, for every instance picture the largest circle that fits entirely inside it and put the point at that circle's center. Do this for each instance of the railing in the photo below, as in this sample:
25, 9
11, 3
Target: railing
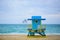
41, 27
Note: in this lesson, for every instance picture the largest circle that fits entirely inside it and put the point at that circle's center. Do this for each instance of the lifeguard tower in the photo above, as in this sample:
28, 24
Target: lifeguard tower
36, 26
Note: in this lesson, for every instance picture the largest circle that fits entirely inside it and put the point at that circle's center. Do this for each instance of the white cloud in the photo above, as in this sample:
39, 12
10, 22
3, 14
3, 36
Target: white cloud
14, 11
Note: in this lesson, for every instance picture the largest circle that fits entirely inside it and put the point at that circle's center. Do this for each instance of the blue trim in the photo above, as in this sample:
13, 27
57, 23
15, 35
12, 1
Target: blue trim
34, 19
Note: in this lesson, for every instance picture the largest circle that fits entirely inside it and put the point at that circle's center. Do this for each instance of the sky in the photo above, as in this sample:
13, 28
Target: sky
15, 11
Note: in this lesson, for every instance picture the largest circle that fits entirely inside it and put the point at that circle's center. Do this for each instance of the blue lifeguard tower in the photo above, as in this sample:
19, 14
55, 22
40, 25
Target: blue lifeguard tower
36, 26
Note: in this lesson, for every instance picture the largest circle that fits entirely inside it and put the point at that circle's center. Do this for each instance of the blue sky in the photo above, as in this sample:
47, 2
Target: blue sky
15, 11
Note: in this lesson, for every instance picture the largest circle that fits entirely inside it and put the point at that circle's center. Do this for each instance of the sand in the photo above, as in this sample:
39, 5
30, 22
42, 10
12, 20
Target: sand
25, 37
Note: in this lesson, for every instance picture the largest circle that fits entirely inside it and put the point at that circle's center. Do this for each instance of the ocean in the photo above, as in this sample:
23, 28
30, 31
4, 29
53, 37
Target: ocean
22, 28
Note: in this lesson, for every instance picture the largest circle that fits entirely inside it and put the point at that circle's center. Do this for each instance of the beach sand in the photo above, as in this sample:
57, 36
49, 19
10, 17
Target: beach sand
25, 37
